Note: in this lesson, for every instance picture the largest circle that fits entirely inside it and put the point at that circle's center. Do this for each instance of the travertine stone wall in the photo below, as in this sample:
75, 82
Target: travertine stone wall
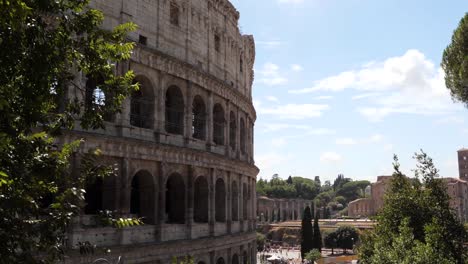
151, 157
271, 210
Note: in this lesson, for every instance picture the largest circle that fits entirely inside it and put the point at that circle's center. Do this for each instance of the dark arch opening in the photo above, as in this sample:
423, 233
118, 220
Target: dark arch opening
175, 199
174, 111
235, 202
200, 213
245, 257
220, 200
218, 124
142, 196
93, 196
232, 130
220, 261
242, 135
142, 104
198, 118
235, 259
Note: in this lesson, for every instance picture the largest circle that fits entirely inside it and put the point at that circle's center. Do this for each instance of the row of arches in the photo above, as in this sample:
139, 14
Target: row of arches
142, 109
235, 259
143, 198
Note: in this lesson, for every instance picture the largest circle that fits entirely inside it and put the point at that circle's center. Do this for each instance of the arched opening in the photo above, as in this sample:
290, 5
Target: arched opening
142, 196
174, 111
198, 118
200, 214
245, 257
220, 261
285, 215
201, 262
235, 202
235, 259
232, 130
142, 104
220, 200
242, 135
267, 216
295, 215
245, 195
175, 199
93, 196
218, 124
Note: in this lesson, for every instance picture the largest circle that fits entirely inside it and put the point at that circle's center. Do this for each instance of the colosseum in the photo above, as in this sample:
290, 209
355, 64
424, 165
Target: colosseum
183, 143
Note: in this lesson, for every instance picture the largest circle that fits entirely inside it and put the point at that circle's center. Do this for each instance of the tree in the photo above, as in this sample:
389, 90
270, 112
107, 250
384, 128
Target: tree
347, 237
260, 241
317, 236
313, 255
44, 45
416, 217
306, 232
289, 180
455, 62
331, 240
317, 181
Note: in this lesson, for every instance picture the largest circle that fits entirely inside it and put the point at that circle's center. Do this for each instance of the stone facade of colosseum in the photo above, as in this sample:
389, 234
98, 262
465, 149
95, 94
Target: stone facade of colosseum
183, 144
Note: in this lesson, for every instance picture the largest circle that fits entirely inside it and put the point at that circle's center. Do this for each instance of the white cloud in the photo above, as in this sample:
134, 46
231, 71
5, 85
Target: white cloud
269, 44
321, 131
375, 138
278, 142
388, 147
408, 84
323, 97
450, 120
293, 111
270, 75
272, 98
296, 68
290, 1
330, 157
308, 130
268, 162
345, 141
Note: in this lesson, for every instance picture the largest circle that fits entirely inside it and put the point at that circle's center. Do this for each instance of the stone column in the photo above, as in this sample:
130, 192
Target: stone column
229, 203
161, 105
189, 199
212, 257
188, 113
241, 203
209, 121
125, 188
227, 129
254, 202
161, 220
211, 204
158, 96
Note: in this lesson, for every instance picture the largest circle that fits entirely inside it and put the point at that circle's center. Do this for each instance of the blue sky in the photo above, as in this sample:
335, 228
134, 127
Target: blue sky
341, 85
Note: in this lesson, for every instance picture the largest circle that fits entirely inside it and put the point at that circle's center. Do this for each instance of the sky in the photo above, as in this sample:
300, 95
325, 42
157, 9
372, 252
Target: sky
342, 85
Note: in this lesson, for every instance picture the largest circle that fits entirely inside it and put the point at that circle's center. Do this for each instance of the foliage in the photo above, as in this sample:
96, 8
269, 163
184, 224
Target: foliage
183, 260
317, 236
106, 218
43, 45
347, 237
293, 187
306, 232
260, 241
416, 220
313, 255
455, 62
340, 181
352, 190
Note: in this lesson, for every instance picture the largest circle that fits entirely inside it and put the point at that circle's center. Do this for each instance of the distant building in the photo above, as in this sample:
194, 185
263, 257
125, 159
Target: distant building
463, 164
457, 189
280, 210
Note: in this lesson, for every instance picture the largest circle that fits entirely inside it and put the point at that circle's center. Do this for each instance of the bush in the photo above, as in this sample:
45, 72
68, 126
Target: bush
313, 255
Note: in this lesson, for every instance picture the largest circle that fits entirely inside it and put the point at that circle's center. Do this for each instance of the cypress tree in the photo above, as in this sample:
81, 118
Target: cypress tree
306, 232
317, 236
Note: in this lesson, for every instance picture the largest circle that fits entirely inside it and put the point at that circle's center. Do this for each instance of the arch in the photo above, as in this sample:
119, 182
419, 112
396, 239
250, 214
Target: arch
220, 260
200, 213
242, 135
93, 196
198, 118
232, 130
220, 200
142, 196
245, 201
175, 199
218, 124
142, 104
201, 262
234, 201
235, 259
174, 111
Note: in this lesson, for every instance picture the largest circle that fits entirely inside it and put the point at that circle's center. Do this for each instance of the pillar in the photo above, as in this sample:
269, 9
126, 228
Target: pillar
189, 200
